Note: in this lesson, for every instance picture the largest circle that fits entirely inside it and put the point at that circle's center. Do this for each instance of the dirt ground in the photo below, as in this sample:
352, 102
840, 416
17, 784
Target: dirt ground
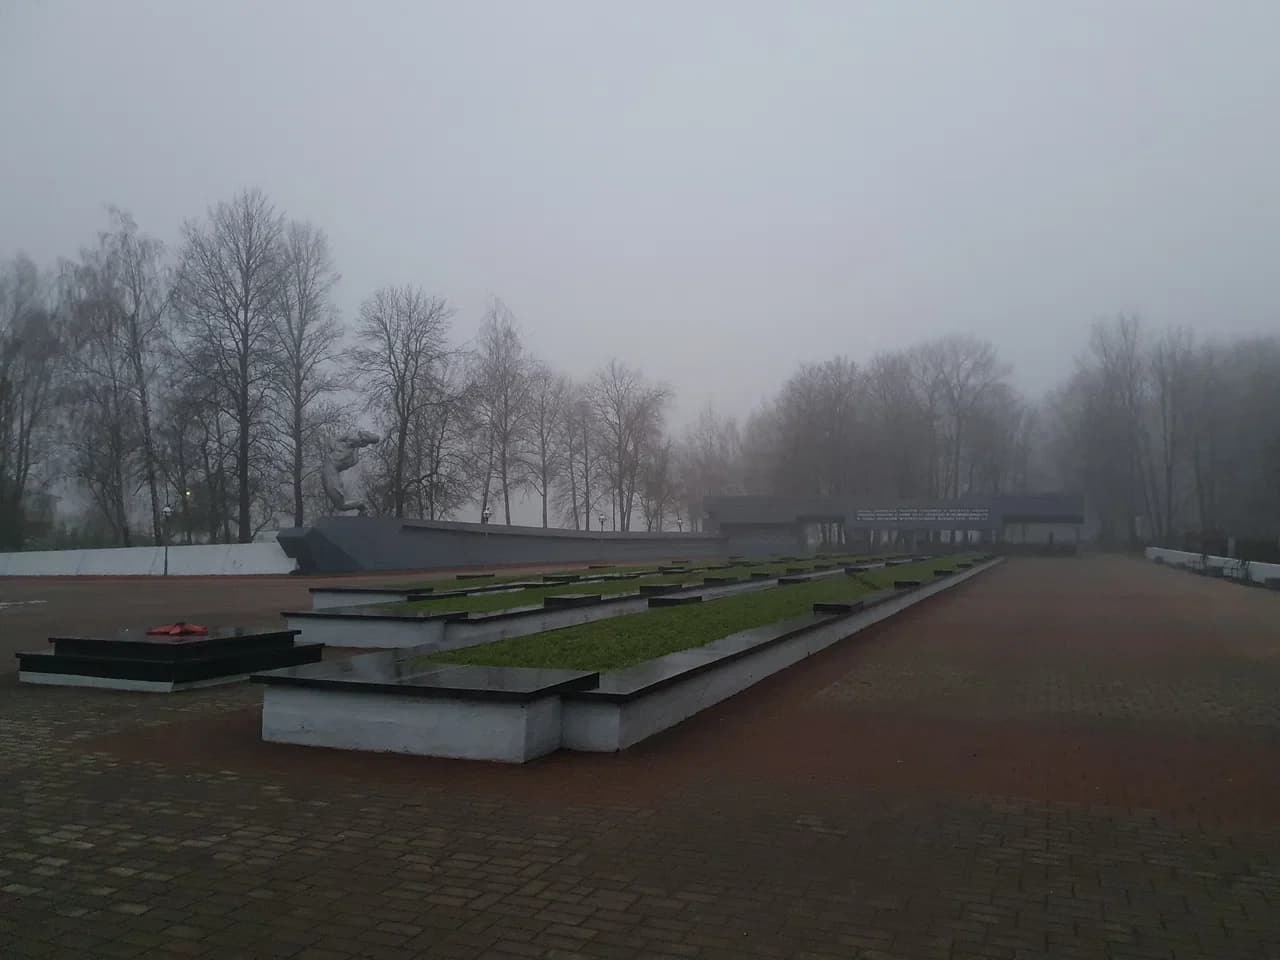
1061, 758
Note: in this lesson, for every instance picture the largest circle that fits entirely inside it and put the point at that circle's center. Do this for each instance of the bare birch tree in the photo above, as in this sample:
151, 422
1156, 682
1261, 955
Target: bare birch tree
502, 372
544, 451
30, 353
227, 297
403, 336
629, 411
306, 339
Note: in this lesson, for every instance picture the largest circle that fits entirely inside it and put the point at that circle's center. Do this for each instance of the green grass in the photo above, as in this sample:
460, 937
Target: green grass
623, 641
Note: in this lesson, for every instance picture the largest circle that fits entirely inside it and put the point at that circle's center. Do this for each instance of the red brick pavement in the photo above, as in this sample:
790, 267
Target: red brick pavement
1063, 758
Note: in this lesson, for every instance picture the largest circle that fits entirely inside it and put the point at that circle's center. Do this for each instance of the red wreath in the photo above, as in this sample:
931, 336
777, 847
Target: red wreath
179, 629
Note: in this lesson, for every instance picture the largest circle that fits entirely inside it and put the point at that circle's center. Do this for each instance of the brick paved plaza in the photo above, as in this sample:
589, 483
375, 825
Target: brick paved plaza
1062, 758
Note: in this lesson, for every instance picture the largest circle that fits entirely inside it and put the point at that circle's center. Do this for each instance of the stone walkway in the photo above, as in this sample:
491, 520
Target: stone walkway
1061, 759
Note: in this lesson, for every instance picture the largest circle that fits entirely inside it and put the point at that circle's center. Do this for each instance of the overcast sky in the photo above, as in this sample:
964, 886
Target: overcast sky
712, 191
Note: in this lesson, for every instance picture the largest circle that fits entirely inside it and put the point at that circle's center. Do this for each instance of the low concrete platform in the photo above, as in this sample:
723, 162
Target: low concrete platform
402, 702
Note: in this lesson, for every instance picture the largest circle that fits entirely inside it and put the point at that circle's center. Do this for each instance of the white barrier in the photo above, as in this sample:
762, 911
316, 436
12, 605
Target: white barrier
214, 559
1232, 568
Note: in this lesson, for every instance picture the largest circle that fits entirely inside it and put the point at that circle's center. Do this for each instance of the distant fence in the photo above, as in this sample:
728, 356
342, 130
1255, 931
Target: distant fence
214, 559
1223, 566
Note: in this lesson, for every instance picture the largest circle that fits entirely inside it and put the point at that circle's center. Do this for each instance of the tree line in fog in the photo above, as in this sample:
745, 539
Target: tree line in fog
208, 376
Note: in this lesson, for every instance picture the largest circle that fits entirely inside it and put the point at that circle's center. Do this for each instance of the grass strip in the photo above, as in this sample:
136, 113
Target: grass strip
624, 641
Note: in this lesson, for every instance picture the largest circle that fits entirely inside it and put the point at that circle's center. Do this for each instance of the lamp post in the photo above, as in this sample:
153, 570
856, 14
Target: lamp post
680, 523
601, 519
485, 515
165, 515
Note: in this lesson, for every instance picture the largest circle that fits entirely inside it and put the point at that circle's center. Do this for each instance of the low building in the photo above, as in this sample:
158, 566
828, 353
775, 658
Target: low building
1051, 522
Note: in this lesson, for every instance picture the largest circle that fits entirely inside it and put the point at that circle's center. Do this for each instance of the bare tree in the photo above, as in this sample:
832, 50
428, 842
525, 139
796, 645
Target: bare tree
306, 338
30, 350
1172, 371
442, 474
502, 372
657, 489
102, 431
707, 462
580, 483
403, 337
629, 410
227, 296
965, 370
545, 454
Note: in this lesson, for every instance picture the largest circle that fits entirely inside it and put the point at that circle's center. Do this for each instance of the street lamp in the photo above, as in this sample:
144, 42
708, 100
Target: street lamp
680, 523
165, 514
485, 515
601, 519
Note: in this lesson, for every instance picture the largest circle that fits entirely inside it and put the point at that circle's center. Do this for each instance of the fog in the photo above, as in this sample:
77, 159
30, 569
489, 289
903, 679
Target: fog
714, 192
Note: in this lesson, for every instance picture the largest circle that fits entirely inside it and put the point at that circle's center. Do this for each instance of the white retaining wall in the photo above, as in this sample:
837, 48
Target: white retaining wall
1236, 569
426, 726
212, 559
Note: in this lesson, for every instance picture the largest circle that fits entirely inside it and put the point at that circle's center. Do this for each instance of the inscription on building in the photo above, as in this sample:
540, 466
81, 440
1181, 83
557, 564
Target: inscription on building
924, 515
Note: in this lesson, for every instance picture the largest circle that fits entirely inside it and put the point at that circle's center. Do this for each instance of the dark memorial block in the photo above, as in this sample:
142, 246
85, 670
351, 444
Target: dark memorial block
675, 601
838, 606
474, 576
906, 584
571, 600
657, 589
560, 577
132, 660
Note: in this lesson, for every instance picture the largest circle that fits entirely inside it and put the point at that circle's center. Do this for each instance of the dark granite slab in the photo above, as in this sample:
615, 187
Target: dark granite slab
371, 612
571, 600
411, 672
657, 589
799, 578
135, 644
474, 576
486, 616
942, 571
561, 577
963, 565
906, 584
225, 663
760, 575
675, 600
838, 606
375, 591
858, 568
715, 581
